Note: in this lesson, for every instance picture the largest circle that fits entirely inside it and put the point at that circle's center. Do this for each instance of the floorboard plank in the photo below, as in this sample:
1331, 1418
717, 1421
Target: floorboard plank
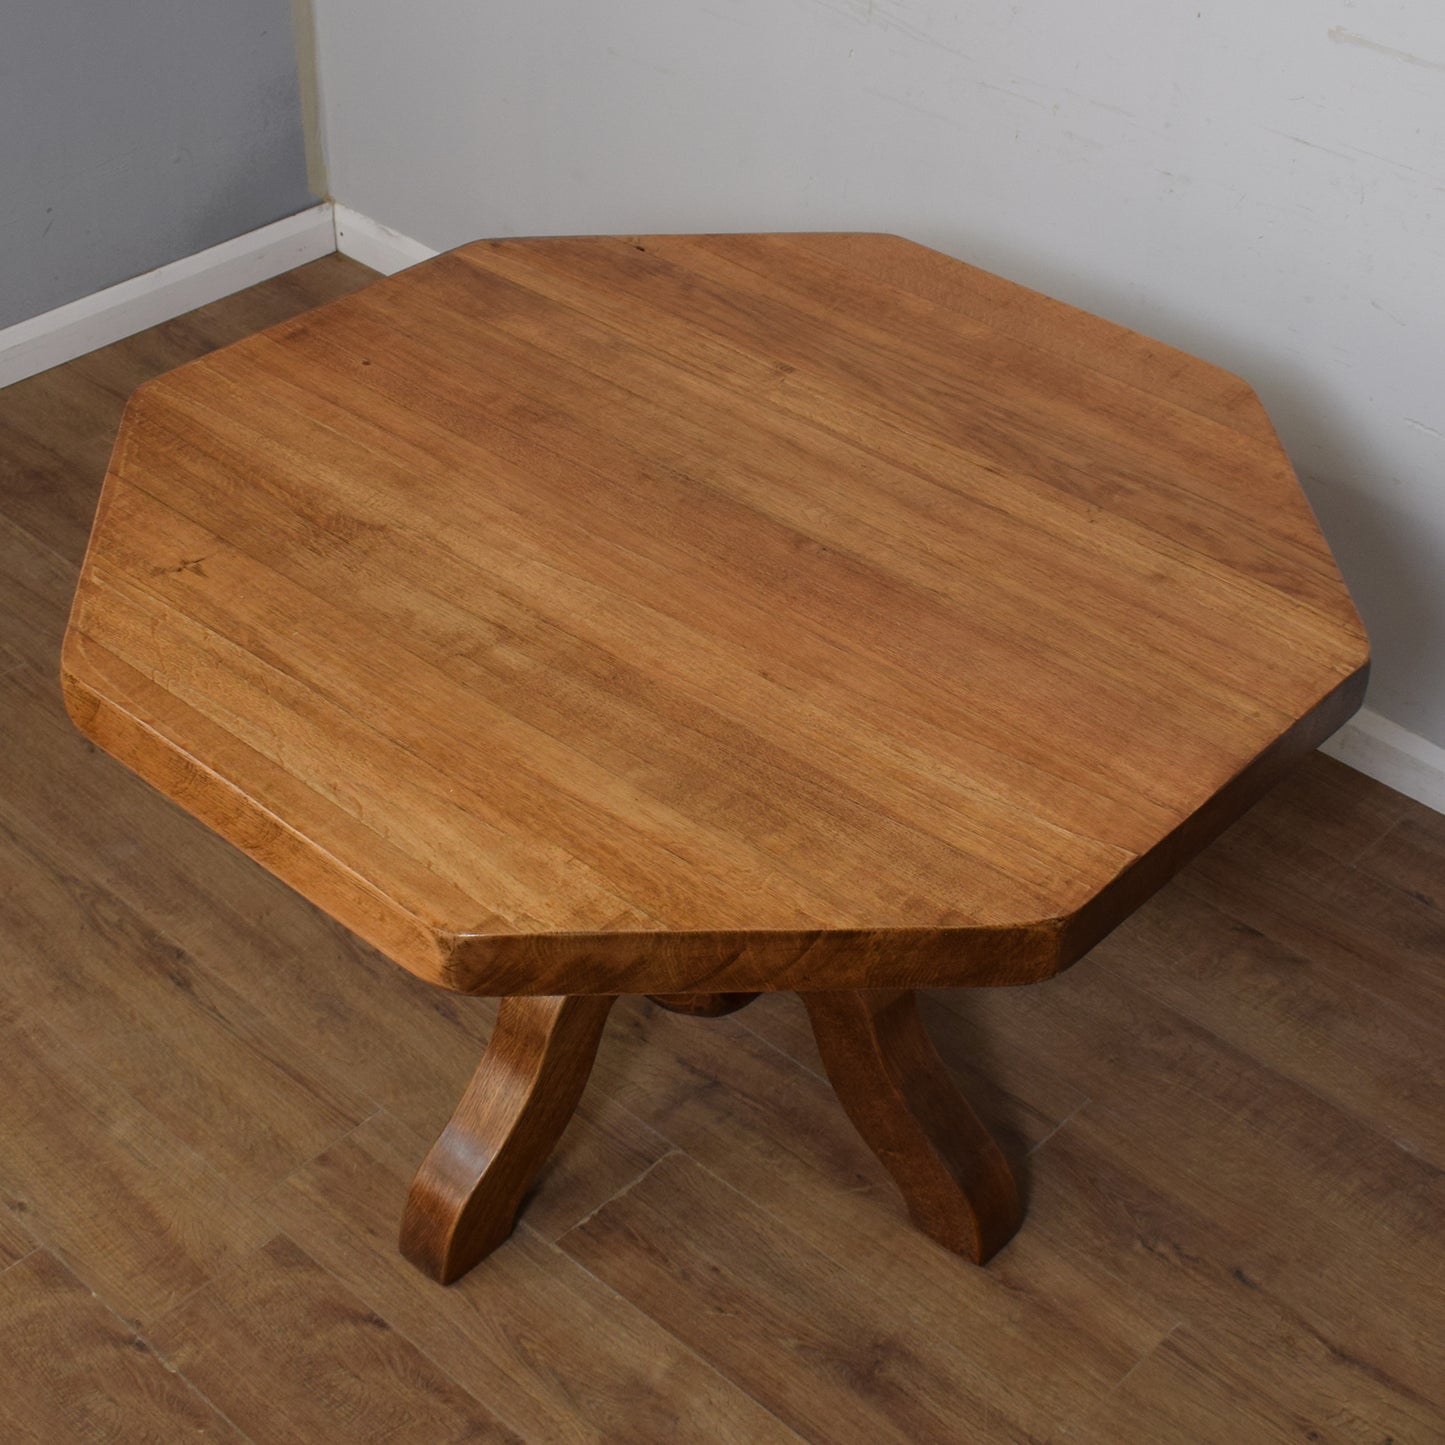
194, 1055
15, 1241
1339, 810
1164, 1245
71, 1370
1411, 858
1329, 1216
1342, 919
1318, 1028
1181, 1392
140, 1218
775, 1132
561, 1355
768, 1310
35, 586
289, 1353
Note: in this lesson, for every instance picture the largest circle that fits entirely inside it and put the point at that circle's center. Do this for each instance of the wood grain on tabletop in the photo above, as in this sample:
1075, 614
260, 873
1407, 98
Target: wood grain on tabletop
709, 614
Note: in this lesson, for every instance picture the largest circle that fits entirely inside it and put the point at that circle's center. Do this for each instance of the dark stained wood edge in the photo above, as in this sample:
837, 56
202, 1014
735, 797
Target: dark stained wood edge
702, 1005
268, 840
954, 1179
1149, 872
754, 961
464, 1200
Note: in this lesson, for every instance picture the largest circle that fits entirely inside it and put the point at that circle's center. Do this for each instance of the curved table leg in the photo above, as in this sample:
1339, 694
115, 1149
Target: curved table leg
890, 1080
464, 1199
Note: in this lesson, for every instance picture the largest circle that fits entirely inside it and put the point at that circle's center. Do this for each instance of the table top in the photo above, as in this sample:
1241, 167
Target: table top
670, 614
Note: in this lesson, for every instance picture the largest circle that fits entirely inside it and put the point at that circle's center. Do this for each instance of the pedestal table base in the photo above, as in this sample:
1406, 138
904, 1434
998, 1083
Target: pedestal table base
887, 1075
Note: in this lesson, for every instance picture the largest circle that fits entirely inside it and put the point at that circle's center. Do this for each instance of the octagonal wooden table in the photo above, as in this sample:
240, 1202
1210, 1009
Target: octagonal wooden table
697, 616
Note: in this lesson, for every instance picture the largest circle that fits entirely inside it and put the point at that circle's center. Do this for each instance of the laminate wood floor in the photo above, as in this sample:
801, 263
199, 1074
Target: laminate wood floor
1228, 1121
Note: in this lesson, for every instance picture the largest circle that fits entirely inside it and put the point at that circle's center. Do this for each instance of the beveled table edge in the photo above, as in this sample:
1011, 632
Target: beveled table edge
678, 962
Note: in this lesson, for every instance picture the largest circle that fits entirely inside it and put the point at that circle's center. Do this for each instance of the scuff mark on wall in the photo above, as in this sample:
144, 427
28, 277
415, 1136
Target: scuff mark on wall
1341, 36
303, 29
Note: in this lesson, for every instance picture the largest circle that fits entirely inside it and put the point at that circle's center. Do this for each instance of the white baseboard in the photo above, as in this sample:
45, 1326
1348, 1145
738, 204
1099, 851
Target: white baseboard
1402, 760
169, 291
376, 245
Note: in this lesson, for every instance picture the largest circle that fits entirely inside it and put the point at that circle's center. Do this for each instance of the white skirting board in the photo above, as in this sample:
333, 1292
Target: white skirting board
169, 291
1369, 743
376, 245
1402, 760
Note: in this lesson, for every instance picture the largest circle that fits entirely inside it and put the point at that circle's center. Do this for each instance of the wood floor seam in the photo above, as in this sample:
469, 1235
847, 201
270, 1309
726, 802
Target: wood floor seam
1358, 976
286, 1180
1073, 1114
21, 1258
777, 1048
142, 1338
270, 1234
1148, 1355
491, 1409
618, 1194
555, 1246
1374, 847
1374, 1126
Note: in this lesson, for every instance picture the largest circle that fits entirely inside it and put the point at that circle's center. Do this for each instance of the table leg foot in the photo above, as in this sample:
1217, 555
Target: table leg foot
464, 1199
888, 1076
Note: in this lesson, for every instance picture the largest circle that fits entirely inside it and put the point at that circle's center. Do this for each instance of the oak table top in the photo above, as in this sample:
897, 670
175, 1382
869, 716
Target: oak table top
707, 615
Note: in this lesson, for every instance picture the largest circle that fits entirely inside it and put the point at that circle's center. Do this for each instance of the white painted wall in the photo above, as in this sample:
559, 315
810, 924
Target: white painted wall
1258, 181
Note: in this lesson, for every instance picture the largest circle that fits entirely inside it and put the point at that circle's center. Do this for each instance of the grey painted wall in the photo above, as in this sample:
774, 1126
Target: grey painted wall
135, 133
